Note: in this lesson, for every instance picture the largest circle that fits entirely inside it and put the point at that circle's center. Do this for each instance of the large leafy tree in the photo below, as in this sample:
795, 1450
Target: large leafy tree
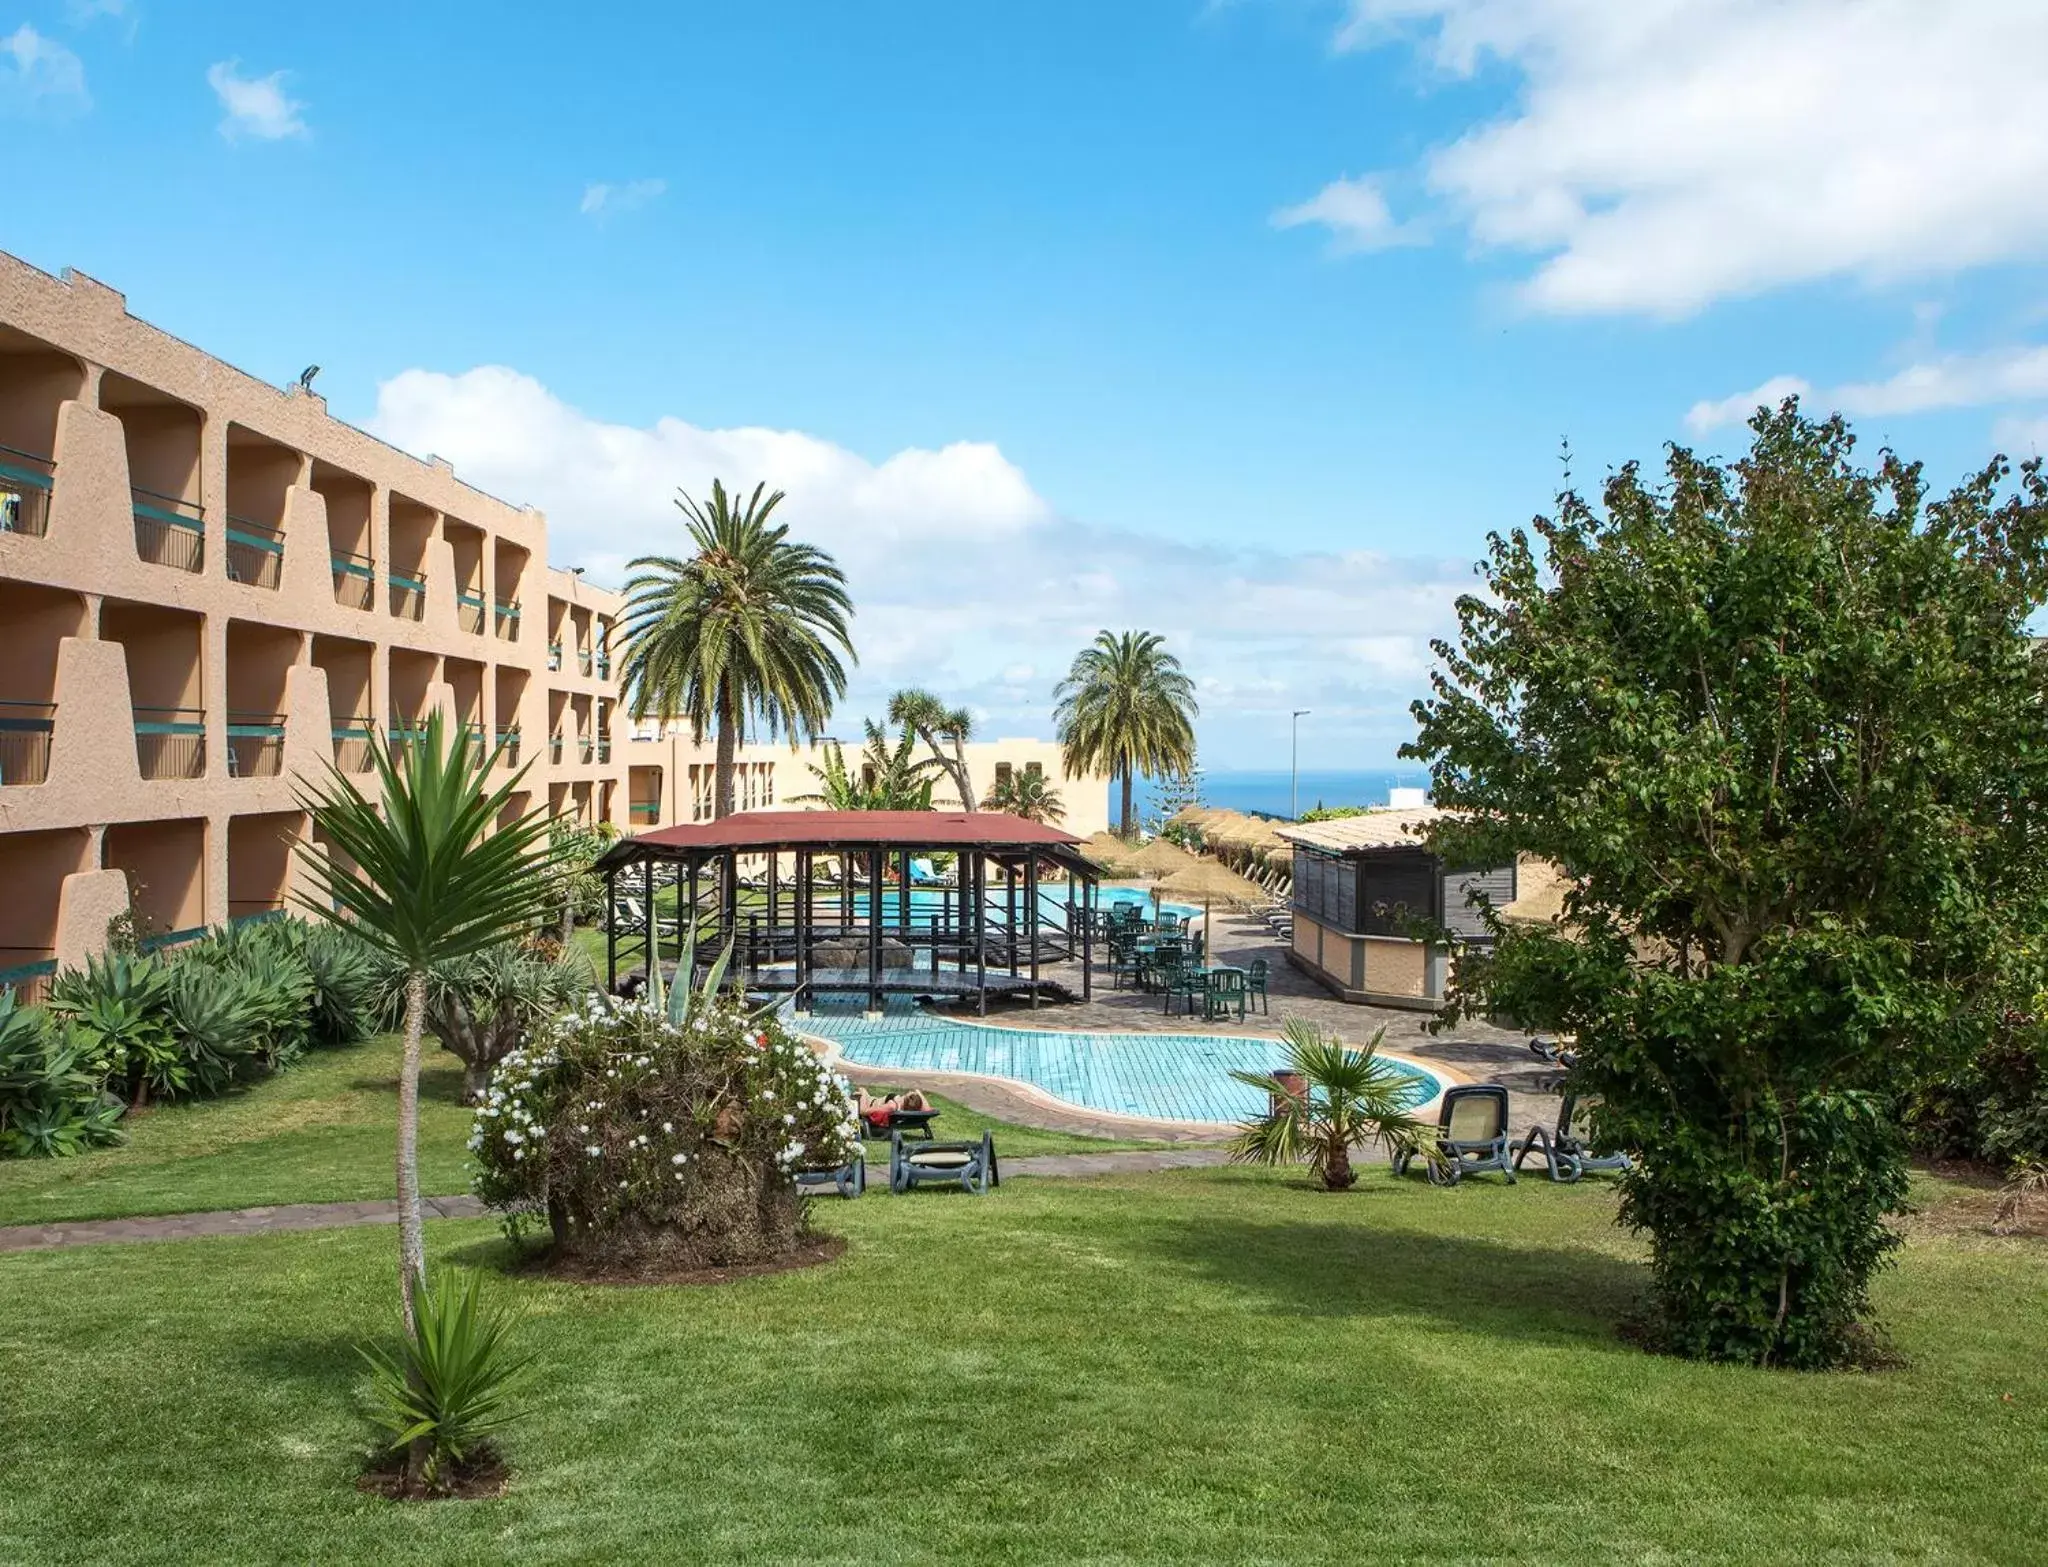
426, 875
1781, 725
945, 732
748, 629
1127, 707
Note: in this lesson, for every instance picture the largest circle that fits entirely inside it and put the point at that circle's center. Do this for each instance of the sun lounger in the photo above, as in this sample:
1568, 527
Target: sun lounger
1471, 1136
849, 1180
970, 1166
1564, 1147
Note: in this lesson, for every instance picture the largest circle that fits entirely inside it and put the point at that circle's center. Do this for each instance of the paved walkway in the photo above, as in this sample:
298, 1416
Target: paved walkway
343, 1215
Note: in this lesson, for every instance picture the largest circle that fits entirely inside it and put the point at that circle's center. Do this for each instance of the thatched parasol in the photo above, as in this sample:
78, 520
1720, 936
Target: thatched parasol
1157, 858
1211, 882
1540, 887
1108, 853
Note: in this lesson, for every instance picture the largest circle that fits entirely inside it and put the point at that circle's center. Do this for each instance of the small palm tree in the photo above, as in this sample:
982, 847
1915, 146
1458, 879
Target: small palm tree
1343, 1099
424, 877
886, 778
934, 722
1025, 794
1127, 707
748, 629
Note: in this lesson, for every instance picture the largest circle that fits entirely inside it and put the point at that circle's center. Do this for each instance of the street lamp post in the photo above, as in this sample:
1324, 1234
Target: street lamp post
1294, 764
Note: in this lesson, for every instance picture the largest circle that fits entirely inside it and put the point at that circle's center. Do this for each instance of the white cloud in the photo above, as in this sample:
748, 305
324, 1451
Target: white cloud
39, 76
2022, 437
255, 106
964, 577
1355, 212
83, 13
2003, 375
1664, 154
602, 199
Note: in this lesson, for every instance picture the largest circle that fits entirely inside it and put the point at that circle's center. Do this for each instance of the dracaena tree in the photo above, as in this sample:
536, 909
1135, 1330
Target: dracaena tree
945, 732
748, 630
425, 874
1781, 725
1127, 707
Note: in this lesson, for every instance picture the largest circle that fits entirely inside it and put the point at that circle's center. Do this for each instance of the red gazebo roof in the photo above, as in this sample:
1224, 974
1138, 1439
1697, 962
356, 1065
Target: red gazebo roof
759, 831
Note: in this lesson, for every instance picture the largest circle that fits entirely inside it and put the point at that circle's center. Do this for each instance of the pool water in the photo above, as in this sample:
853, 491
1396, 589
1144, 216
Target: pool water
1166, 1077
1052, 902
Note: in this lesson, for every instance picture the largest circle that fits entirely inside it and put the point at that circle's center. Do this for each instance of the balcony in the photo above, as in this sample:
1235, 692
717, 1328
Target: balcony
604, 748
408, 596
505, 616
555, 744
30, 982
25, 732
355, 579
25, 484
473, 737
469, 611
170, 742
645, 810
255, 745
508, 745
168, 531
554, 655
352, 749
255, 553
583, 660
604, 665
409, 731
585, 749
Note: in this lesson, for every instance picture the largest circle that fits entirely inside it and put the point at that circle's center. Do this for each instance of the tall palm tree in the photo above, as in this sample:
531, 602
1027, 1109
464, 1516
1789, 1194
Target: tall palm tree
1334, 1099
1028, 795
1127, 707
748, 629
424, 876
934, 722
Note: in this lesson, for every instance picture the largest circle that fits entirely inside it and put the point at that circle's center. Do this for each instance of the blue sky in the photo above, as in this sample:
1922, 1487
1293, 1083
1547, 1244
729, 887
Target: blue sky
1240, 321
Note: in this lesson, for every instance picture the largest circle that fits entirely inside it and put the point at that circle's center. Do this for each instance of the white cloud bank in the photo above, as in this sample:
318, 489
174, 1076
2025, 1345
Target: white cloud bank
40, 77
964, 577
1664, 154
255, 106
2004, 375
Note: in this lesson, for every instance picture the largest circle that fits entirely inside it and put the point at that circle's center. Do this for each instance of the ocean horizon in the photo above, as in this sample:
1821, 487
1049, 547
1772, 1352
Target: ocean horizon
1269, 791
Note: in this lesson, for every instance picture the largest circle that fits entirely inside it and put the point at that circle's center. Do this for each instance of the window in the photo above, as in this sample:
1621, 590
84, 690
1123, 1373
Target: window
1033, 770
1004, 773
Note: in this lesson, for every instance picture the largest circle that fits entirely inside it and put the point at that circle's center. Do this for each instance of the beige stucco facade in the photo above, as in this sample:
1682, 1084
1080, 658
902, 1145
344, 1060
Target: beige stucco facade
209, 590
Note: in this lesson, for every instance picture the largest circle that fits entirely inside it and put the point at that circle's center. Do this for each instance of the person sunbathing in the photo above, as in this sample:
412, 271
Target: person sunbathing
878, 1113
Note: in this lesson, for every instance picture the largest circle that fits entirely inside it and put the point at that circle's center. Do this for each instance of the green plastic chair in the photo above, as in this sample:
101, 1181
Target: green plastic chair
1255, 985
1223, 991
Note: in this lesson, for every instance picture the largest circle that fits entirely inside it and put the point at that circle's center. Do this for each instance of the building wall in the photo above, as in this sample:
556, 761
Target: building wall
208, 586
1376, 970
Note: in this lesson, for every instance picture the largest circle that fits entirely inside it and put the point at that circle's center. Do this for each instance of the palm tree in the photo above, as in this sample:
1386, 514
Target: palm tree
1025, 794
1126, 707
1338, 1099
888, 778
425, 877
748, 629
933, 721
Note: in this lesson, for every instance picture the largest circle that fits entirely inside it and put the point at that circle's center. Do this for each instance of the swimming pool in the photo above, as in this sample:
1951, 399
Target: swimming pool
1161, 1077
945, 902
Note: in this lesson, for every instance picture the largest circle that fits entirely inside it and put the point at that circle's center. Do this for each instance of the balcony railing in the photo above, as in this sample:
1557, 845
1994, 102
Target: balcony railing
604, 748
554, 655
473, 737
255, 553
352, 738
555, 744
408, 596
170, 742
469, 611
604, 665
583, 660
585, 749
255, 745
505, 613
645, 810
254, 911
355, 579
25, 484
168, 531
508, 745
25, 732
29, 981
164, 939
409, 731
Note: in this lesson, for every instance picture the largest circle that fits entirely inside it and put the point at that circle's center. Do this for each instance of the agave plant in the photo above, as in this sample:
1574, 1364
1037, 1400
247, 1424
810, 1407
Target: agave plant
483, 1005
216, 1013
1333, 1099
51, 1102
118, 1008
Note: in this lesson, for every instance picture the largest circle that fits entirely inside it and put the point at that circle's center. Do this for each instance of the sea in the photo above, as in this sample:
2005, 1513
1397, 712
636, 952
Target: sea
1273, 792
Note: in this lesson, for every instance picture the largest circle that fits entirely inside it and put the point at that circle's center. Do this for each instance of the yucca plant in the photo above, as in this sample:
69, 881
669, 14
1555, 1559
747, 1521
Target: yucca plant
424, 875
442, 1396
1344, 1099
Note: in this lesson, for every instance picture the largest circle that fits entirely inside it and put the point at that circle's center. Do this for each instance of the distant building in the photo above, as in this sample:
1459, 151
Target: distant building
1359, 882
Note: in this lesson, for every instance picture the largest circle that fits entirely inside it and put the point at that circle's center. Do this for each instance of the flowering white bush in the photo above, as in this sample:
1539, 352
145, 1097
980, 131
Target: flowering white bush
637, 1136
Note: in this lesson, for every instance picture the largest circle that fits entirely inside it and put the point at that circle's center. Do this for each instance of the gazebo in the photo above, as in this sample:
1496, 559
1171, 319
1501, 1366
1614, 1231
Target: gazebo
846, 902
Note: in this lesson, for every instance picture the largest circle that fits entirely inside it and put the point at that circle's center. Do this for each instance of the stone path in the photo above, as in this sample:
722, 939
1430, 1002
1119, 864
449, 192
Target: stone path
342, 1215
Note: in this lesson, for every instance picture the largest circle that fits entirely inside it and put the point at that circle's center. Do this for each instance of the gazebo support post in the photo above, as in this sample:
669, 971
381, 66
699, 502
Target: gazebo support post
981, 932
1031, 918
651, 941
1010, 912
693, 910
903, 895
774, 877
803, 931
875, 862
1087, 939
611, 929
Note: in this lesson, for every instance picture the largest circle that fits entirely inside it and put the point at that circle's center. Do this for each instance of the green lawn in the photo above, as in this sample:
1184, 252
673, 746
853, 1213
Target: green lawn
321, 1132
1201, 1366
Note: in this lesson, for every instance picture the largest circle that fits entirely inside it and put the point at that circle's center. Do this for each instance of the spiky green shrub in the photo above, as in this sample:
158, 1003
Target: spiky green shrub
118, 1011
215, 1015
344, 973
441, 1397
51, 1101
646, 1134
484, 1005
